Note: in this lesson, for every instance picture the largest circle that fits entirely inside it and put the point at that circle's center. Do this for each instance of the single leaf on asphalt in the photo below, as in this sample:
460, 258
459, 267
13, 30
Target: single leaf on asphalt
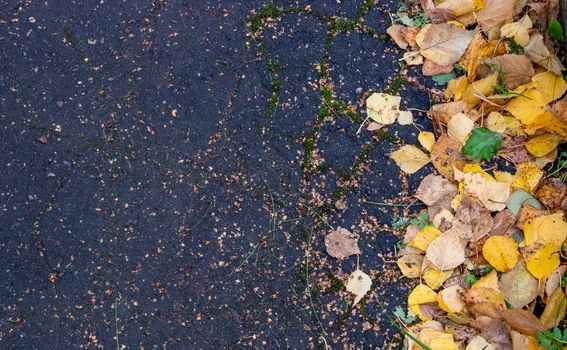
518, 287
446, 251
482, 144
421, 294
341, 244
501, 252
543, 261
410, 158
359, 283
443, 43
383, 108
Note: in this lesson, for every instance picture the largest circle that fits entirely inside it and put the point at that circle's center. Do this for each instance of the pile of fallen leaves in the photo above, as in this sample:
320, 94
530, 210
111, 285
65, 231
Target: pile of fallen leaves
489, 251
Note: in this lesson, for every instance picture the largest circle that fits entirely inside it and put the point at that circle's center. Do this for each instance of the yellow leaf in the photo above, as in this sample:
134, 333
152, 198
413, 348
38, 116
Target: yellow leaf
546, 230
555, 309
421, 294
501, 252
437, 339
358, 284
450, 300
496, 122
489, 281
458, 7
551, 85
426, 139
527, 177
410, 158
518, 31
424, 237
543, 262
503, 176
541, 145
456, 87
446, 251
479, 343
528, 107
480, 89
460, 126
435, 278
383, 108
492, 194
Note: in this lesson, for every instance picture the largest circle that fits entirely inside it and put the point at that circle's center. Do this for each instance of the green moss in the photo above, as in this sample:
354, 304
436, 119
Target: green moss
395, 85
326, 94
273, 103
384, 135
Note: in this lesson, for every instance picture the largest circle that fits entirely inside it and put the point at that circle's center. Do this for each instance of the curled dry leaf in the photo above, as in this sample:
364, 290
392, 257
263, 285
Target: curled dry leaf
443, 43
554, 309
359, 283
446, 251
540, 54
495, 332
410, 158
523, 321
341, 244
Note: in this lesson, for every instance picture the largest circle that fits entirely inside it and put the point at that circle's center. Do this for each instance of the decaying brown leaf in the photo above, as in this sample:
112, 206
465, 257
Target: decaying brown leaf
443, 43
435, 188
552, 193
341, 244
494, 13
447, 154
517, 69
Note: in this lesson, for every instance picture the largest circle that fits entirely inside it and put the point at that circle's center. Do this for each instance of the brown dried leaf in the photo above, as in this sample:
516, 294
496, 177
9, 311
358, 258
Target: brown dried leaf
434, 188
443, 112
540, 54
495, 12
341, 244
495, 332
522, 321
552, 193
517, 69
431, 68
527, 212
472, 219
447, 154
515, 151
436, 15
503, 224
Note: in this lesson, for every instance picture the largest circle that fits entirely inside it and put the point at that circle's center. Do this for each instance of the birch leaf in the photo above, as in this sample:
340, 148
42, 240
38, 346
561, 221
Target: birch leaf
410, 158
359, 283
443, 43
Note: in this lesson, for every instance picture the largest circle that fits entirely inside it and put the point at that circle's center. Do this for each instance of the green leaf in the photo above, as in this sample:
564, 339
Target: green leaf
555, 30
402, 315
482, 144
443, 79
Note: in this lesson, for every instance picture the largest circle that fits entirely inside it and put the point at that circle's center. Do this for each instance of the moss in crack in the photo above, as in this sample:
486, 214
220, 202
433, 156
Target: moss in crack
365, 7
273, 104
337, 284
384, 135
395, 85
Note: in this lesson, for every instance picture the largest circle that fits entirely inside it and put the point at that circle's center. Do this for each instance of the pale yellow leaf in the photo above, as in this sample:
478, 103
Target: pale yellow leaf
410, 158
443, 43
460, 126
501, 252
446, 251
426, 140
358, 284
383, 108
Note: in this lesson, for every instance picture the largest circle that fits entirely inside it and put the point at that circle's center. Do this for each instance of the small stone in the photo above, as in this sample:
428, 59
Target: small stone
42, 139
60, 104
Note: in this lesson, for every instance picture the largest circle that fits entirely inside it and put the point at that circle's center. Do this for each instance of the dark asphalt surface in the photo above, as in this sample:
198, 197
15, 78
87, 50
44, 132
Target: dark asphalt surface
146, 194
